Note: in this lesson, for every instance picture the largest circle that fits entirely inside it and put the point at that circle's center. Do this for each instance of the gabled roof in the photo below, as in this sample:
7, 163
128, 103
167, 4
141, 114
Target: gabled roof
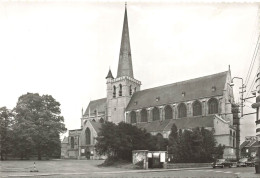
183, 123
250, 141
98, 105
181, 91
65, 140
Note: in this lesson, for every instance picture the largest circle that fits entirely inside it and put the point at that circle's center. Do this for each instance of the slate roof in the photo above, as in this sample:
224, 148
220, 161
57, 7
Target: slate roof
172, 93
250, 141
253, 143
96, 125
99, 105
244, 144
248, 144
183, 123
125, 67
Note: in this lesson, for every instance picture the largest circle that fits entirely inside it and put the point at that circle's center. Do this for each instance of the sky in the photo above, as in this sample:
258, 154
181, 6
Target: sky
65, 48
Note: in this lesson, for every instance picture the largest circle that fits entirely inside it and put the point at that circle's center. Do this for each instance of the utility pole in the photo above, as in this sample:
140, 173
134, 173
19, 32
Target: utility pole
243, 86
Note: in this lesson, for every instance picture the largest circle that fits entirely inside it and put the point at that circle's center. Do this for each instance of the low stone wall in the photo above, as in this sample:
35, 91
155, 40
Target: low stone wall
187, 165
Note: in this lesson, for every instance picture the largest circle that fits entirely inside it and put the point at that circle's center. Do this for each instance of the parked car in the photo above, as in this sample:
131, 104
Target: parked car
222, 163
250, 163
242, 162
218, 163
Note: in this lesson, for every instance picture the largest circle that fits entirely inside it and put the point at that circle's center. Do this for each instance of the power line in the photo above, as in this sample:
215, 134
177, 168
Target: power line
256, 23
250, 102
253, 83
252, 61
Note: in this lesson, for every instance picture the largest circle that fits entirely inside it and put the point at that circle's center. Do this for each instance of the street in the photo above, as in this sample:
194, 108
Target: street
241, 172
89, 168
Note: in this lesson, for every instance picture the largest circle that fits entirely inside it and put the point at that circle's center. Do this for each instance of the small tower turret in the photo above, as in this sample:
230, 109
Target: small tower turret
109, 75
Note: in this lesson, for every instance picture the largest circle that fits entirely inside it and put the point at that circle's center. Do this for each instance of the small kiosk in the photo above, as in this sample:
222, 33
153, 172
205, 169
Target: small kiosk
145, 159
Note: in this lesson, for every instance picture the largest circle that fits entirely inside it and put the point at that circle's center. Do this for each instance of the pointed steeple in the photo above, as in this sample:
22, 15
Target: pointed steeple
109, 75
125, 67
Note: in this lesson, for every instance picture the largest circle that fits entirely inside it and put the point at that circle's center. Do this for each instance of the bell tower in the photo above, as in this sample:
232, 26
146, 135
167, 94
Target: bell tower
121, 88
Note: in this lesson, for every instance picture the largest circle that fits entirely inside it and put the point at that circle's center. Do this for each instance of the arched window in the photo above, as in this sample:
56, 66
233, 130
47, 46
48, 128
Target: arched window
133, 117
213, 106
114, 91
197, 109
72, 142
130, 90
168, 112
143, 115
182, 110
88, 134
120, 90
156, 114
93, 120
101, 120
135, 89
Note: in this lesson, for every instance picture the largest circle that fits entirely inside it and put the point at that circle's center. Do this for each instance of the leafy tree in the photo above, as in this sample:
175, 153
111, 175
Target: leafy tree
219, 151
161, 143
193, 145
208, 146
38, 125
173, 144
107, 140
131, 138
185, 146
6, 132
196, 145
119, 140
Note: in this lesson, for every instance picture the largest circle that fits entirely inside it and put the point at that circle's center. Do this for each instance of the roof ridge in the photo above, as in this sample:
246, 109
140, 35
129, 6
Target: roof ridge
98, 99
185, 81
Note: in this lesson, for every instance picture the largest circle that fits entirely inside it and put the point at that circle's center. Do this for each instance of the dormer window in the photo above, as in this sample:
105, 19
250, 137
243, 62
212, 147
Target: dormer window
183, 94
213, 89
157, 99
135, 102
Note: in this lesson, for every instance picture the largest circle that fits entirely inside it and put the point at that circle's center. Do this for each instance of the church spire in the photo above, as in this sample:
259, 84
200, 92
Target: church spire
125, 67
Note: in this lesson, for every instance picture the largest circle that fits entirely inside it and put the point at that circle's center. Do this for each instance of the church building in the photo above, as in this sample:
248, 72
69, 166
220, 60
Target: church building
200, 102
